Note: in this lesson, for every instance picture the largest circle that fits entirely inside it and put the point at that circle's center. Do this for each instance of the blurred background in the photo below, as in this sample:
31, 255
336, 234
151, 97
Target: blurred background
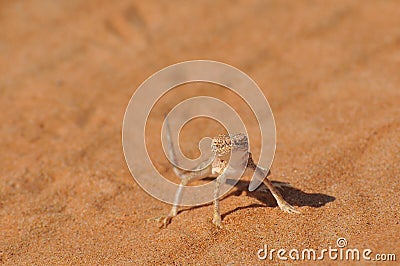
329, 69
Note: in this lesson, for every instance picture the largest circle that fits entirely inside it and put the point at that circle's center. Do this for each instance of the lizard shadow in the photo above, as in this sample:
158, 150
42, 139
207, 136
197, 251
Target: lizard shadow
292, 195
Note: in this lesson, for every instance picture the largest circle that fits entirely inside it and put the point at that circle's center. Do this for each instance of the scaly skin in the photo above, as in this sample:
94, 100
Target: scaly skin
222, 145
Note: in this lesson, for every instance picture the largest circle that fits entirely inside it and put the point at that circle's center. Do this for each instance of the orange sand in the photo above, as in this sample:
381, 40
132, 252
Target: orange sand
331, 73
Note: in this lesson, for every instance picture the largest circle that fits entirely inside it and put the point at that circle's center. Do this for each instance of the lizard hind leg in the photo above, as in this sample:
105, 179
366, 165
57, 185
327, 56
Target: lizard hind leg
202, 170
165, 219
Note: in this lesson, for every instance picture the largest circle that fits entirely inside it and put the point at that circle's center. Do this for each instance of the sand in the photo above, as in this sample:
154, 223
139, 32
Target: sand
329, 69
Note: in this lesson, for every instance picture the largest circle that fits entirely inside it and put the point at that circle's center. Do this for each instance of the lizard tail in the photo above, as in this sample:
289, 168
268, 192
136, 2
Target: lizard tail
171, 150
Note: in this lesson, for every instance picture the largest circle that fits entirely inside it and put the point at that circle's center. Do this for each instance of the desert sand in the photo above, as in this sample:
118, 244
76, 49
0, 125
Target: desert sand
329, 69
